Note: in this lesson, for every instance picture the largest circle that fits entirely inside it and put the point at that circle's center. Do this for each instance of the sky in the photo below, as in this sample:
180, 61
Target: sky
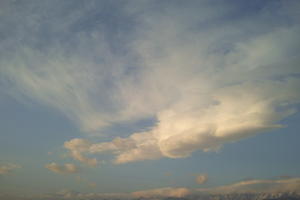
148, 98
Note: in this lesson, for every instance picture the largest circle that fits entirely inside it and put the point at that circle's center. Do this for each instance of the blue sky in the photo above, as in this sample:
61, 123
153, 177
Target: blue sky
124, 96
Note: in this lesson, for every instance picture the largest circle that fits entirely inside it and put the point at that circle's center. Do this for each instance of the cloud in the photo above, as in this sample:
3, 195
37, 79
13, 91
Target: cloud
290, 185
162, 192
67, 168
8, 168
207, 80
77, 147
201, 178
69, 194
156, 193
263, 188
258, 186
183, 129
222, 84
139, 146
60, 64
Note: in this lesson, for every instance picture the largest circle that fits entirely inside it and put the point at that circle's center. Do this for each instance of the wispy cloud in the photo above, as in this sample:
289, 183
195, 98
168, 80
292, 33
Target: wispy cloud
232, 115
67, 168
207, 87
206, 79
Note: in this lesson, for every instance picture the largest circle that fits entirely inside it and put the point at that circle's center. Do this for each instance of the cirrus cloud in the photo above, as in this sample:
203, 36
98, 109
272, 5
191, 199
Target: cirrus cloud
205, 79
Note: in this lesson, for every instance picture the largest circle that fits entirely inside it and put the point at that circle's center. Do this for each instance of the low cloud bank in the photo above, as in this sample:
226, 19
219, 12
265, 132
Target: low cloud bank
251, 188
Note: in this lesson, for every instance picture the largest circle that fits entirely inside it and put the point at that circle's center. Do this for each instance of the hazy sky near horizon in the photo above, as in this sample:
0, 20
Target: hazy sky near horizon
123, 96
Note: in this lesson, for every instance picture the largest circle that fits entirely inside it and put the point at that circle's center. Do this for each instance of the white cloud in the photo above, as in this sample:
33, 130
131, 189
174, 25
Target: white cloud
67, 168
7, 168
231, 115
207, 80
201, 96
139, 146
